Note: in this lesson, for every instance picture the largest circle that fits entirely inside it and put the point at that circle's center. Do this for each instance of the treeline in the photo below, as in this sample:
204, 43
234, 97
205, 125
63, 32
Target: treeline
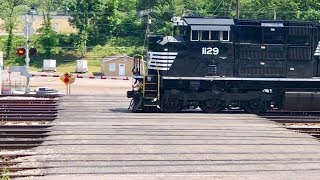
100, 22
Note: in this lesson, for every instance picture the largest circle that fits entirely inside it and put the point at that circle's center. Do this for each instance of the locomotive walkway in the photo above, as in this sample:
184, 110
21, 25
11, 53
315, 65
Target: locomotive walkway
96, 137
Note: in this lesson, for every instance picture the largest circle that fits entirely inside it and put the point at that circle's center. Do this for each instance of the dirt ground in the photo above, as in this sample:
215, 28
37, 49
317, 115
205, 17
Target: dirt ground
85, 86
80, 86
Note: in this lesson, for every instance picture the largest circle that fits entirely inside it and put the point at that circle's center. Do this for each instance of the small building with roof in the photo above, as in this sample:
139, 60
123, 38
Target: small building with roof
120, 65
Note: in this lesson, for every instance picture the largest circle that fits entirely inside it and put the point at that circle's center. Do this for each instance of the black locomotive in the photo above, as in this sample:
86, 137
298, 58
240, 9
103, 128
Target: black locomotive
219, 63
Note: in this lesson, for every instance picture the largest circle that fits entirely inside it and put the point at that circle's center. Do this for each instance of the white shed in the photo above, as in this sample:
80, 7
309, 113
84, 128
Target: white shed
49, 65
82, 66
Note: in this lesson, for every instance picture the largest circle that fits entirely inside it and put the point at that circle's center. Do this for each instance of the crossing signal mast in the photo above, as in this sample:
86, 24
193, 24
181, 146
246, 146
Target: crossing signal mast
27, 30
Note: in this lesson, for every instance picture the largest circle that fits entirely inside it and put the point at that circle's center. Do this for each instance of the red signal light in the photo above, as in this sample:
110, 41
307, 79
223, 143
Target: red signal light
21, 51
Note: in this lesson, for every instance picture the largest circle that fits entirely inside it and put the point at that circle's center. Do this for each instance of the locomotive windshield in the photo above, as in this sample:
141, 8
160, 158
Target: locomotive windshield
180, 31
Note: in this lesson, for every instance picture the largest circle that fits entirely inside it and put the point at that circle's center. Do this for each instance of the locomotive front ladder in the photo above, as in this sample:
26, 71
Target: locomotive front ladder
151, 88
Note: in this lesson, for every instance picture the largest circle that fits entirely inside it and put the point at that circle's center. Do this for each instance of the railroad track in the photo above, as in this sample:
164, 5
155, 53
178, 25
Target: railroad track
24, 123
301, 122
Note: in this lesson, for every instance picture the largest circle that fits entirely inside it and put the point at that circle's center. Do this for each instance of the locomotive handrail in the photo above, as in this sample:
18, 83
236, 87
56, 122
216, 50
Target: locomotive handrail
158, 95
143, 76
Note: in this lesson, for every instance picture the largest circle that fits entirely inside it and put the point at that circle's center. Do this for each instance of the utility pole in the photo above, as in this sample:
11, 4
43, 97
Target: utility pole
27, 52
1, 68
238, 9
27, 40
148, 28
147, 35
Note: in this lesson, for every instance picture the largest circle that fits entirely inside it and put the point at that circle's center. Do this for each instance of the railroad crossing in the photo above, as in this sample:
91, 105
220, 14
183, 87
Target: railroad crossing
95, 136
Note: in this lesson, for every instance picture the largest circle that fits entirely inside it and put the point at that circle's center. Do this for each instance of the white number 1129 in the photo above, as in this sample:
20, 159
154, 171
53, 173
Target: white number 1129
210, 50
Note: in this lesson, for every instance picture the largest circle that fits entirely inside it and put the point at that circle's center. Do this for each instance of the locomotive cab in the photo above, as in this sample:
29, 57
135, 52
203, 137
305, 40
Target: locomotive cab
208, 49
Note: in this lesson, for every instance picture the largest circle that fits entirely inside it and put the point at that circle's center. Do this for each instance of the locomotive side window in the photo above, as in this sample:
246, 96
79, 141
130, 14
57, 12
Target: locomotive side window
225, 35
194, 35
205, 35
211, 36
215, 36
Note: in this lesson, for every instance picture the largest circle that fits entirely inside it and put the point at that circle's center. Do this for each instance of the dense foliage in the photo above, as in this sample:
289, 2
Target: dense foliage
100, 21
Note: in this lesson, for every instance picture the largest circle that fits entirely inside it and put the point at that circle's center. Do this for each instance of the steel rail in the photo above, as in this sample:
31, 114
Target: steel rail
22, 130
31, 95
27, 119
25, 104
27, 115
14, 126
27, 101
19, 109
3, 113
31, 136
26, 142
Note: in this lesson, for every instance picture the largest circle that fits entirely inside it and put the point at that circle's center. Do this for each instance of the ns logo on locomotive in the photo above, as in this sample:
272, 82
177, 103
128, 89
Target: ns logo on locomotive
216, 64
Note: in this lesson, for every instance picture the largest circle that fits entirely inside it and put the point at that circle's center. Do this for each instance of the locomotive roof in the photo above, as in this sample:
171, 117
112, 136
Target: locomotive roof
208, 21
209, 24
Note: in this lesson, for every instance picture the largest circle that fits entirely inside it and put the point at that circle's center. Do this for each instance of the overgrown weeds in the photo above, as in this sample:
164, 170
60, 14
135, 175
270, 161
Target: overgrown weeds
4, 173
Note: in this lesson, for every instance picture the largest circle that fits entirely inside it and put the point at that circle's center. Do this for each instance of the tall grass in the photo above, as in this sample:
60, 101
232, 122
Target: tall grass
4, 173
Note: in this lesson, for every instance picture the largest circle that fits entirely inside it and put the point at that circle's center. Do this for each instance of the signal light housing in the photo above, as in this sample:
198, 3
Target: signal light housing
21, 51
32, 51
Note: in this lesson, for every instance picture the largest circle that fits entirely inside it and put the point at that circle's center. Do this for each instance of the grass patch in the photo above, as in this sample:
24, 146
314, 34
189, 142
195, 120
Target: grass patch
4, 173
63, 69
94, 63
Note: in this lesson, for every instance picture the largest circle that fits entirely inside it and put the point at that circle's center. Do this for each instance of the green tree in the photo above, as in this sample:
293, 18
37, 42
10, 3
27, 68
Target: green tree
48, 39
281, 9
10, 12
308, 9
163, 10
128, 22
84, 16
261, 9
